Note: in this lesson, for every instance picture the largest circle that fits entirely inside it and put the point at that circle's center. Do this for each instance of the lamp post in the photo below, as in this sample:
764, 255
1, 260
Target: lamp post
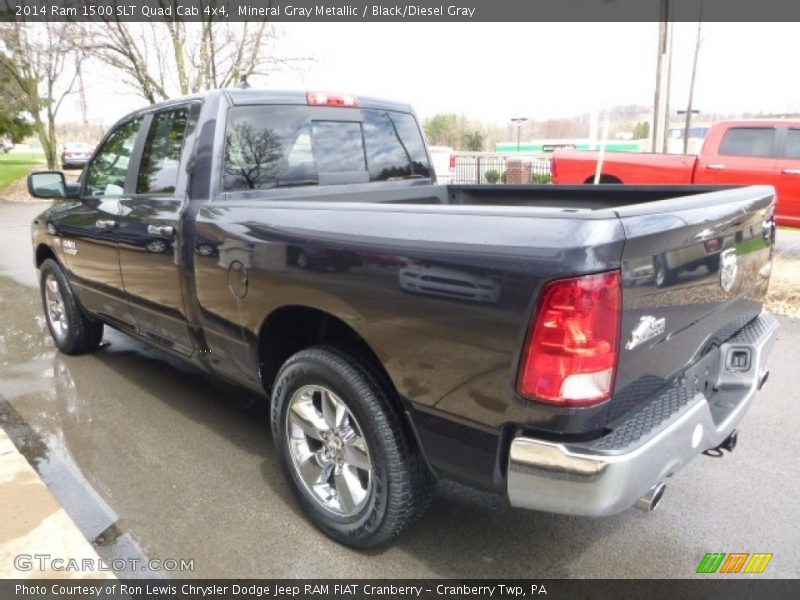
518, 121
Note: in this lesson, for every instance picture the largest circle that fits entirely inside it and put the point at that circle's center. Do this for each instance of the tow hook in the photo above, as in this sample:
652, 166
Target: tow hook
728, 444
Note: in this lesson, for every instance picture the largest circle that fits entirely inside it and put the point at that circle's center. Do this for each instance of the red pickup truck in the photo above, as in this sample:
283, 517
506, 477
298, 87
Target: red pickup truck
735, 152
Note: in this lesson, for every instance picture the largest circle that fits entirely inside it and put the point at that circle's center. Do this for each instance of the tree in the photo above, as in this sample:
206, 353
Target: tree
37, 61
641, 131
443, 130
472, 141
13, 122
163, 59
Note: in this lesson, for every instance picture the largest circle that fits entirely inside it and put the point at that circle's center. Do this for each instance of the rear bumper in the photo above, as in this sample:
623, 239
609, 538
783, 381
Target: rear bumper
610, 474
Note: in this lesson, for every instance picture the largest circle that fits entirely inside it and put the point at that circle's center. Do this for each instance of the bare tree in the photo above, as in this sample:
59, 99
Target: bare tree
37, 58
163, 59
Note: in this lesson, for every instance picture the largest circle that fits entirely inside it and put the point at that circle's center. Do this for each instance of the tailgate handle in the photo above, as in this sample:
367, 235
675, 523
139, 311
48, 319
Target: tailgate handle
792, 171
715, 166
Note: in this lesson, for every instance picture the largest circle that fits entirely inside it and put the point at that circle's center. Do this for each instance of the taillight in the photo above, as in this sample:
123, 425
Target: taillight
553, 173
326, 99
452, 162
570, 357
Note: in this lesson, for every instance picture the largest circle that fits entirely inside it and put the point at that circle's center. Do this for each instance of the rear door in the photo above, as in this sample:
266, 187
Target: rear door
148, 232
745, 155
787, 178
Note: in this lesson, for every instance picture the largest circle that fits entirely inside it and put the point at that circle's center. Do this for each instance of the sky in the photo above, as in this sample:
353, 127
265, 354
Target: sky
495, 71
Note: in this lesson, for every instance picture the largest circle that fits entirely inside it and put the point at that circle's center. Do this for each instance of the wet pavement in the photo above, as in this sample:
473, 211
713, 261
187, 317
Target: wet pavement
151, 457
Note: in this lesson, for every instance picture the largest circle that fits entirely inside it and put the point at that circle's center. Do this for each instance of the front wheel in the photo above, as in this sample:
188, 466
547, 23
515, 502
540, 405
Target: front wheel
73, 331
353, 466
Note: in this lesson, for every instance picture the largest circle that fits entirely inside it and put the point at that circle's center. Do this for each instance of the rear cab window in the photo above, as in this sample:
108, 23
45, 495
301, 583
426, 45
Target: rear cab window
756, 142
273, 146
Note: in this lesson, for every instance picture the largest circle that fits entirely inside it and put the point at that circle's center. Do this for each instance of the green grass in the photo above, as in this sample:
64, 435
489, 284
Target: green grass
16, 165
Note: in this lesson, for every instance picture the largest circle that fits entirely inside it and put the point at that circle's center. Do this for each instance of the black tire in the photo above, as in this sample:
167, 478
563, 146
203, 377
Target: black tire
79, 333
664, 275
401, 483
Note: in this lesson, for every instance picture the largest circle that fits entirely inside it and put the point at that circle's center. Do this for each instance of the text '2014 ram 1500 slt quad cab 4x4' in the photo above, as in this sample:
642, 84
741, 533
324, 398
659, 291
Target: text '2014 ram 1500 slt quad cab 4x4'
513, 338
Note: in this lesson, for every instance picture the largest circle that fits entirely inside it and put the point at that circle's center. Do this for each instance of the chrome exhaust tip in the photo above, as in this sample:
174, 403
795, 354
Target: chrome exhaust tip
650, 500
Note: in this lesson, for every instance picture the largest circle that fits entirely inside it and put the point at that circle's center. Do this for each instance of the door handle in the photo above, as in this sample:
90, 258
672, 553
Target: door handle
792, 171
715, 167
105, 224
166, 231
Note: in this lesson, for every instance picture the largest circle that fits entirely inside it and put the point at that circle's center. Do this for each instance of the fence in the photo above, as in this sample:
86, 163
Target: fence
472, 167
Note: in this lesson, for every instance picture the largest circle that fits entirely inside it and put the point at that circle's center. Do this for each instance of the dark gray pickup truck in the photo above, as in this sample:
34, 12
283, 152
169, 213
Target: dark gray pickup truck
569, 347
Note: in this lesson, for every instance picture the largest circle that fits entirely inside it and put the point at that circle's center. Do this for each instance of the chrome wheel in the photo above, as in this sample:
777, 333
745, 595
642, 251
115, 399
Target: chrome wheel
56, 311
328, 450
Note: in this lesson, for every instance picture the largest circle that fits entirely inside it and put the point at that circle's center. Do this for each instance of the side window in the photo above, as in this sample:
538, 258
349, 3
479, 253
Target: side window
748, 141
158, 172
793, 143
107, 172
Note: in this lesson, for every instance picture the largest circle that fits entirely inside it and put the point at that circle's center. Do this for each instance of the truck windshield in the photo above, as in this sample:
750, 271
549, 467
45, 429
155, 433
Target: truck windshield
277, 146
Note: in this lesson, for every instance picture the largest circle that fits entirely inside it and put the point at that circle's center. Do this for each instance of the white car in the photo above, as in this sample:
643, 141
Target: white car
444, 163
449, 283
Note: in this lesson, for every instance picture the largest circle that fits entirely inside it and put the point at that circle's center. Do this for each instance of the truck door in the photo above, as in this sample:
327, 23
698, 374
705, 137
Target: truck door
88, 229
787, 179
149, 224
745, 156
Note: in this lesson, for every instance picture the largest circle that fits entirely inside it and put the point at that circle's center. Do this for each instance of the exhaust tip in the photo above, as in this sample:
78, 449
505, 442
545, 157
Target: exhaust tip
651, 499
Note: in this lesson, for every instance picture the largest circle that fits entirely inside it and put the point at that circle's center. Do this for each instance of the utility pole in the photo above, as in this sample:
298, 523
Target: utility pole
664, 50
691, 83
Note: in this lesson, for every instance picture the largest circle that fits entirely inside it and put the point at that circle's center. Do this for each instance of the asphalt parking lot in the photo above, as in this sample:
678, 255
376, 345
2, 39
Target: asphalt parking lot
151, 456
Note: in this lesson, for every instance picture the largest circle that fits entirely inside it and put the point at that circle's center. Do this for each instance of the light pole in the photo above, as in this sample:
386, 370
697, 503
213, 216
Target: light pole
518, 121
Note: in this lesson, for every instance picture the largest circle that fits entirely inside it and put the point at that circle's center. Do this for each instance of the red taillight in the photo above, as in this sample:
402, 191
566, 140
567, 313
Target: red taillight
452, 162
553, 171
570, 358
325, 99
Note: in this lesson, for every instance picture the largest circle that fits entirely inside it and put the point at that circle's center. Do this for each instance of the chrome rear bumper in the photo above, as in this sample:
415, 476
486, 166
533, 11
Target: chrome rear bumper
610, 474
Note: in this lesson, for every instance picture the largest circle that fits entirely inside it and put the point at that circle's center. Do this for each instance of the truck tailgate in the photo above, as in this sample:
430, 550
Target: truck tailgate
695, 271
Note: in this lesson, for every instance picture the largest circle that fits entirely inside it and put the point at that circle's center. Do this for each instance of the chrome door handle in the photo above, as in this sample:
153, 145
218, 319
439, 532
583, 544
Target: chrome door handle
715, 167
792, 171
105, 224
166, 231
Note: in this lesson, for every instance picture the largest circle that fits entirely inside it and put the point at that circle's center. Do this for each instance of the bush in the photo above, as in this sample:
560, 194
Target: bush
540, 178
492, 175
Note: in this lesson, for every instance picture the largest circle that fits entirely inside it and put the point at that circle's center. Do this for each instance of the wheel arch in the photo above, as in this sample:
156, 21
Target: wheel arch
291, 328
604, 178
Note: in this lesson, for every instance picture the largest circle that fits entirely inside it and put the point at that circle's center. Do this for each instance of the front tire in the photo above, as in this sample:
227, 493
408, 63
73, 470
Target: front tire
354, 467
73, 331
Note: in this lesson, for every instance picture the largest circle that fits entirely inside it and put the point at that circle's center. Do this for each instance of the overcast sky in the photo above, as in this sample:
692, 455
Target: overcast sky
493, 71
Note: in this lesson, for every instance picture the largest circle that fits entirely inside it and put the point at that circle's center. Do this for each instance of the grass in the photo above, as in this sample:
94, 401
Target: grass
15, 165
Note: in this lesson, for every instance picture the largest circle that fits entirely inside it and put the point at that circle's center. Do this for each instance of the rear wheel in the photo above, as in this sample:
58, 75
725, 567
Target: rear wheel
353, 466
73, 331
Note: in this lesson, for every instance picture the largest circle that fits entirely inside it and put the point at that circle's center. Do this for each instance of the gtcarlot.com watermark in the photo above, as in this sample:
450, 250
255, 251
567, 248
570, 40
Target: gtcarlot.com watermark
48, 562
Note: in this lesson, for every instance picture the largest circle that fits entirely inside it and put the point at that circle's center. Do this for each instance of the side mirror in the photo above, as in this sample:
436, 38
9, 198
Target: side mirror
50, 185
